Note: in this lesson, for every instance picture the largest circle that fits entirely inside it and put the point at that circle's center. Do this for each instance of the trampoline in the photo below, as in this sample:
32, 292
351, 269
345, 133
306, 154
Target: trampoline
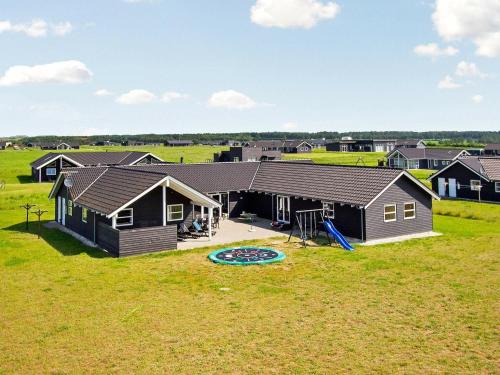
246, 255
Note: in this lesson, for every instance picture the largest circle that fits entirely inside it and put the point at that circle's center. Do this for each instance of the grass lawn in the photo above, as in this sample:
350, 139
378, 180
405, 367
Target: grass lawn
321, 156
422, 306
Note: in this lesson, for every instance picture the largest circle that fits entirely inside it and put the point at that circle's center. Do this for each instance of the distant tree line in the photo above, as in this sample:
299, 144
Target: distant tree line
449, 138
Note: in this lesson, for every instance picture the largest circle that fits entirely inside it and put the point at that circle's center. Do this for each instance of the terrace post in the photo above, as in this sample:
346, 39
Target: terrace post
164, 204
113, 222
210, 214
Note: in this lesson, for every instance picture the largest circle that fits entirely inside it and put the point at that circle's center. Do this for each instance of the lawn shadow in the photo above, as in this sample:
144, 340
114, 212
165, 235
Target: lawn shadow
24, 179
62, 242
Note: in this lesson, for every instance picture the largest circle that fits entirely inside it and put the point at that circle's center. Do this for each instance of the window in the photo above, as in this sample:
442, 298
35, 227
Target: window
409, 210
51, 171
236, 159
413, 164
84, 214
328, 210
389, 212
435, 163
70, 208
125, 217
175, 212
475, 185
497, 187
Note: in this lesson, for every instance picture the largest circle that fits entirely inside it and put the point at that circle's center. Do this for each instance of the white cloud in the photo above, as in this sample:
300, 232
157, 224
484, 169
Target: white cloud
478, 20
290, 126
433, 50
136, 96
465, 69
61, 28
477, 99
292, 13
37, 28
231, 99
71, 71
447, 83
172, 95
103, 92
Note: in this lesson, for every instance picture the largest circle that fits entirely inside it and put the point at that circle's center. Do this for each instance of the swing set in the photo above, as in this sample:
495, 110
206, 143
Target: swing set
311, 222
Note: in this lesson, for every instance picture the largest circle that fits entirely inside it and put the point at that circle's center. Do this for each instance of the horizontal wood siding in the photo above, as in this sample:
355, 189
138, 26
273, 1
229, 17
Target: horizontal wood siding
147, 240
108, 238
136, 241
402, 191
348, 220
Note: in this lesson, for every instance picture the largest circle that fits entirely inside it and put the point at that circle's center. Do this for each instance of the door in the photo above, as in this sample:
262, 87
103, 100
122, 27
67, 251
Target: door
63, 216
441, 187
452, 187
283, 209
59, 207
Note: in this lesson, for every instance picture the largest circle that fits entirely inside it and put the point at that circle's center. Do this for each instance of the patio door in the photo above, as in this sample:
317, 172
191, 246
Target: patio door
283, 208
452, 187
441, 187
63, 211
223, 198
59, 209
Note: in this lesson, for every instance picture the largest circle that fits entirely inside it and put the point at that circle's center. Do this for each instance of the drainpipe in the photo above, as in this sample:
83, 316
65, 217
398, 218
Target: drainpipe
362, 224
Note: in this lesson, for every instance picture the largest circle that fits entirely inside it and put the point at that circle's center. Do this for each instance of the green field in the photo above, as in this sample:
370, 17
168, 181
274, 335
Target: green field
422, 306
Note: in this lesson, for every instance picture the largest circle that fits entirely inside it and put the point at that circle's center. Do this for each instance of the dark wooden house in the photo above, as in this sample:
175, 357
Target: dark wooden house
492, 149
423, 158
135, 209
410, 143
474, 178
59, 145
178, 143
238, 154
48, 167
362, 145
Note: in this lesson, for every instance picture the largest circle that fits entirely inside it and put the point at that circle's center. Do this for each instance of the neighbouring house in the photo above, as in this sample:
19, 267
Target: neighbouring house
266, 145
410, 143
5, 144
48, 167
476, 178
318, 143
231, 143
492, 149
241, 154
287, 146
138, 209
178, 143
59, 145
106, 143
295, 147
362, 145
423, 158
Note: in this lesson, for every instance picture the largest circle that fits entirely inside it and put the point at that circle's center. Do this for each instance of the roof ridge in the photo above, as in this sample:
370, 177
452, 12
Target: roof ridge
92, 183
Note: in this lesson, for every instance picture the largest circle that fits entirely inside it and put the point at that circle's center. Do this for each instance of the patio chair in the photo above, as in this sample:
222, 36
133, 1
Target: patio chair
183, 232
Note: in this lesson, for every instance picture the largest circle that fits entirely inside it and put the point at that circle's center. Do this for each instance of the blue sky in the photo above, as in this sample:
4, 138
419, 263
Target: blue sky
164, 66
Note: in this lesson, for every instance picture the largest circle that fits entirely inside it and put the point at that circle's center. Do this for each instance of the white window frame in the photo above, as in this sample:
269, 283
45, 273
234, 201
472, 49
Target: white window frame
436, 163
169, 212
497, 187
329, 210
126, 213
70, 207
236, 159
474, 186
85, 216
389, 213
49, 171
405, 210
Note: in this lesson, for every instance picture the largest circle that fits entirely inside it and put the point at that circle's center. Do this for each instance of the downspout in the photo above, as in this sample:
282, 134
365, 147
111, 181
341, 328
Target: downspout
362, 224
94, 227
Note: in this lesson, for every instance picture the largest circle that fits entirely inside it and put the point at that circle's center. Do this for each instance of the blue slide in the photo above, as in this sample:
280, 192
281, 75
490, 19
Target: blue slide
337, 235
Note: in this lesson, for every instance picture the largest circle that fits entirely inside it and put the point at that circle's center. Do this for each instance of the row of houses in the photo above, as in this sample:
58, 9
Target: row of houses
133, 202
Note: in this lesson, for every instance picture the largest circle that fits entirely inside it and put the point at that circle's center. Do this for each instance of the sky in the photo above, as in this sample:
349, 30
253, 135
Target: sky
165, 66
